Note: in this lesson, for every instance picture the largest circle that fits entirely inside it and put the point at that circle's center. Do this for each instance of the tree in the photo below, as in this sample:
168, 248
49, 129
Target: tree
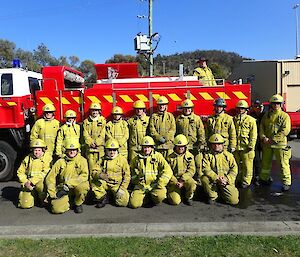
87, 68
7, 50
74, 60
43, 57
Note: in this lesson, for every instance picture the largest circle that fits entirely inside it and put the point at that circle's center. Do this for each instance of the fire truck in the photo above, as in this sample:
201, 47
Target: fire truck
24, 93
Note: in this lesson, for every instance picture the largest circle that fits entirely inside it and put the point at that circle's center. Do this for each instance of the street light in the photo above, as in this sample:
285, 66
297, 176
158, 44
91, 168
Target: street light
297, 36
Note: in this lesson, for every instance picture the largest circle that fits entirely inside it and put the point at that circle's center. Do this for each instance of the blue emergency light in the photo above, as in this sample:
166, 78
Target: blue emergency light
16, 63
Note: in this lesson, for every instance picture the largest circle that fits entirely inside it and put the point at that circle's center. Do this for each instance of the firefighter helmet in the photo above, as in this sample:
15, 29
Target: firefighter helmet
72, 144
276, 99
111, 144
49, 108
216, 139
220, 102
95, 106
180, 140
139, 104
148, 141
37, 143
26, 200
70, 114
117, 110
242, 104
187, 103
162, 100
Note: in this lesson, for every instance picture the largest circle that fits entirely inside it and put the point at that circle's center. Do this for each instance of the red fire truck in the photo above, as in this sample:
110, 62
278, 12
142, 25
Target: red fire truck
24, 93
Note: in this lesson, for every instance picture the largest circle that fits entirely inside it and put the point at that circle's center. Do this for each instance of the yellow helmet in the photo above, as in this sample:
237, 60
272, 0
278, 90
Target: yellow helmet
162, 100
276, 99
70, 114
72, 144
216, 139
180, 140
37, 143
49, 108
187, 103
95, 106
148, 141
111, 144
117, 110
139, 104
242, 104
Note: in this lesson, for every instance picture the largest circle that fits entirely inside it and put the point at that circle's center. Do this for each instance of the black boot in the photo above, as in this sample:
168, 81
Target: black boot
78, 209
102, 203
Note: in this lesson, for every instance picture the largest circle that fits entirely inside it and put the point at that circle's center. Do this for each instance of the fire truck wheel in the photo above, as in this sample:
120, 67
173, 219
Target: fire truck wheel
8, 157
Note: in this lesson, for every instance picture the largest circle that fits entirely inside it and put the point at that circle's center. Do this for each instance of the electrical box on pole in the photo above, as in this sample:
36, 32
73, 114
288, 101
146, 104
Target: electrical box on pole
142, 43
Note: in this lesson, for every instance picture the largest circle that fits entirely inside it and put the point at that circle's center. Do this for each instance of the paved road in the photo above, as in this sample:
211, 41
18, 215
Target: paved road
257, 205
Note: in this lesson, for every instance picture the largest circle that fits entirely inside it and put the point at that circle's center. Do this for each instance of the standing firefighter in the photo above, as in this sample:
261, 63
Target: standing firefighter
190, 125
70, 130
163, 127
150, 175
219, 172
46, 128
68, 178
138, 125
183, 166
111, 174
222, 123
274, 129
204, 73
246, 130
31, 174
94, 134
118, 129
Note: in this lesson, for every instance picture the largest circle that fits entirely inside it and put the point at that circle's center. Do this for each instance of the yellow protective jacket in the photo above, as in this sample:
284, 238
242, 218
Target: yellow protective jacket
117, 169
222, 124
275, 125
150, 172
118, 130
246, 130
67, 171
47, 131
137, 130
163, 125
205, 75
94, 132
192, 127
220, 164
66, 132
34, 169
183, 166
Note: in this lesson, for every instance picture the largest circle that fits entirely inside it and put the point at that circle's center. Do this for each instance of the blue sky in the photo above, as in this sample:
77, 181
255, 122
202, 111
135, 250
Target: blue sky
98, 29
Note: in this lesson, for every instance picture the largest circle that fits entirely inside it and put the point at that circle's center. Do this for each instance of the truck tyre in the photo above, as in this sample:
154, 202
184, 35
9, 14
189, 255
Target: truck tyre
8, 157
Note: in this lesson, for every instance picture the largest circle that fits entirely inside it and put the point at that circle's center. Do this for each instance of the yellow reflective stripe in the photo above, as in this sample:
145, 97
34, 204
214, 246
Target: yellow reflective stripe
46, 100
193, 98
63, 100
223, 95
142, 97
206, 96
77, 99
11, 103
94, 99
155, 96
240, 95
109, 98
174, 97
126, 98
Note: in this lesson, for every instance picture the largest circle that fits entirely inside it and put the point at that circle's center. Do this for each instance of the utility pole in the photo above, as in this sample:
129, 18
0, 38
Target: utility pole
150, 36
297, 33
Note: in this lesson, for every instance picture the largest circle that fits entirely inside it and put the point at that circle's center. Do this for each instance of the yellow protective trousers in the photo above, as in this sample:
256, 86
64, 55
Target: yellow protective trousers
174, 193
244, 160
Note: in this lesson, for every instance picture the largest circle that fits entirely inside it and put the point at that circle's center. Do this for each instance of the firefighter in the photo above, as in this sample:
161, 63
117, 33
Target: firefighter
257, 112
222, 123
150, 175
118, 129
70, 130
94, 134
246, 130
219, 172
31, 174
138, 125
183, 166
274, 129
46, 128
190, 125
162, 127
111, 174
68, 178
204, 73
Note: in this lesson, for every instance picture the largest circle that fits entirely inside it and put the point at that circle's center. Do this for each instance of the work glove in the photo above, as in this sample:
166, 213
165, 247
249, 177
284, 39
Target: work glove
120, 193
162, 140
63, 191
103, 176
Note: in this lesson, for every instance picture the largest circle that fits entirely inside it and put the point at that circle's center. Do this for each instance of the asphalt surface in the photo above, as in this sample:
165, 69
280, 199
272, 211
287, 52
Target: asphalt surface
262, 210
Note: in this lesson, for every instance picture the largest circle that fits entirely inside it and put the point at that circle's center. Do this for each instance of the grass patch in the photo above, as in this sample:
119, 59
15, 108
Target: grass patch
286, 246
